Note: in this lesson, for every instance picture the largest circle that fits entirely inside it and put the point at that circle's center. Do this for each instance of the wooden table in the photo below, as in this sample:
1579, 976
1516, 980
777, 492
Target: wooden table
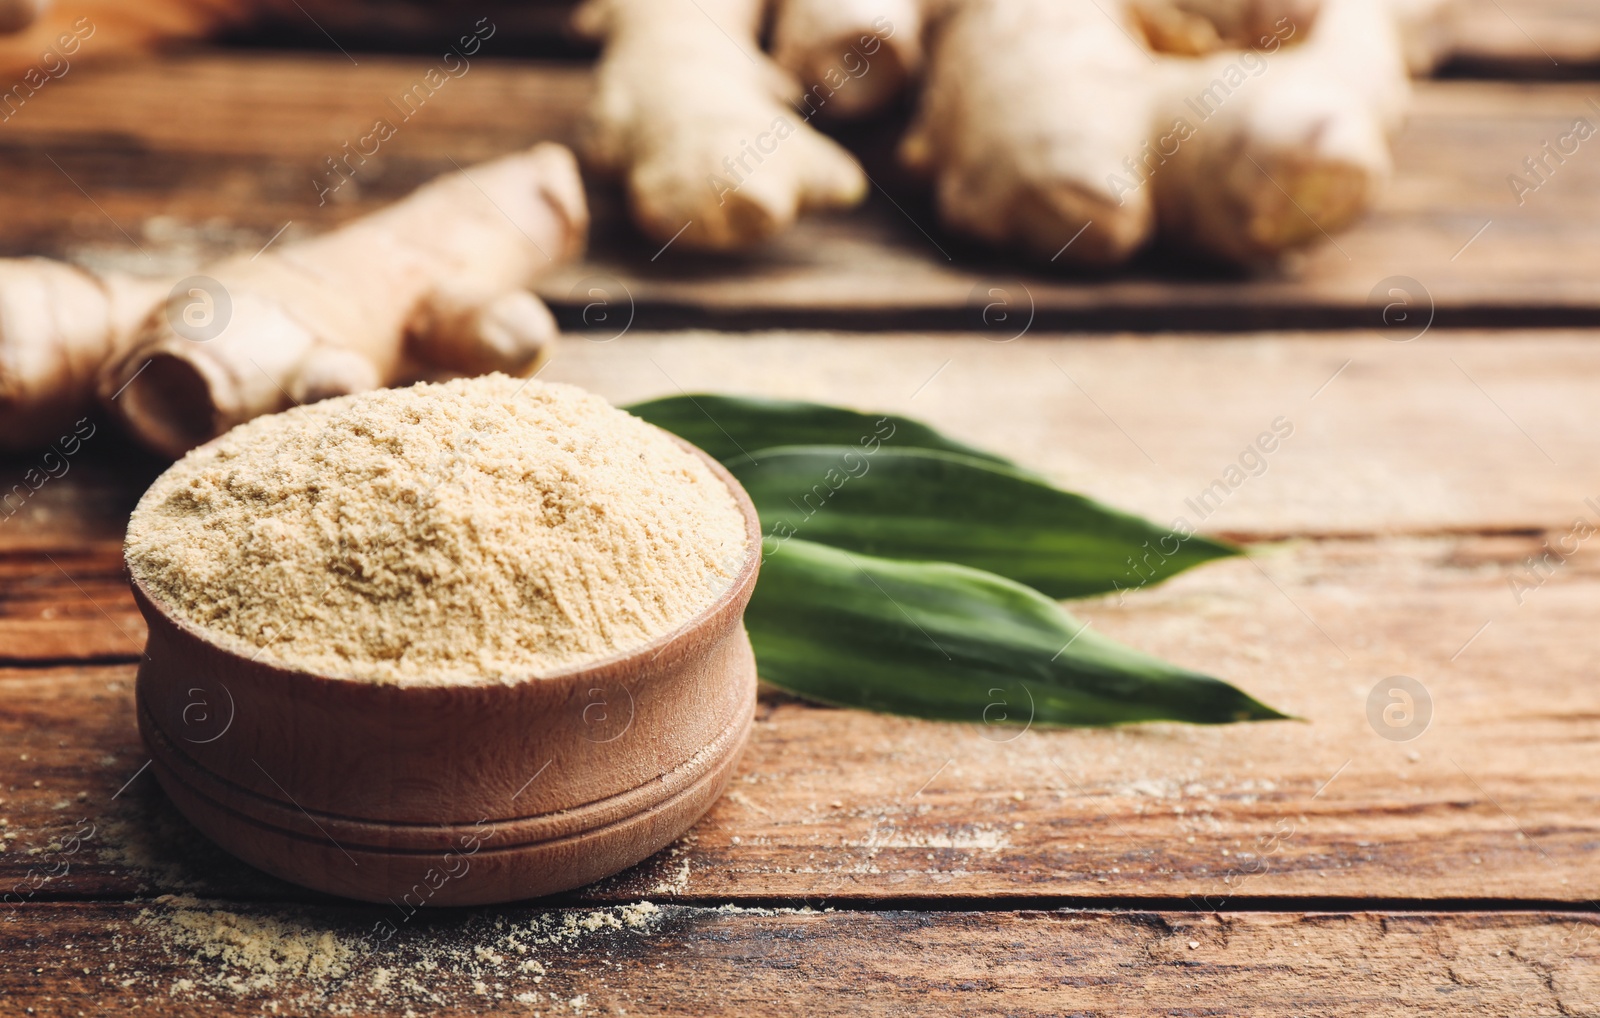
868, 863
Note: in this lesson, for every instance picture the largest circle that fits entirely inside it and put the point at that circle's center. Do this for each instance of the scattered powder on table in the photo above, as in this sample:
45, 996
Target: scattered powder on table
303, 960
484, 529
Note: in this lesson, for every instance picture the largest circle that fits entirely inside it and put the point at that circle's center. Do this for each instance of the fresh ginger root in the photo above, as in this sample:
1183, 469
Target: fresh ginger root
1077, 130
854, 57
1029, 106
1046, 124
429, 285
58, 325
1286, 160
1062, 127
704, 128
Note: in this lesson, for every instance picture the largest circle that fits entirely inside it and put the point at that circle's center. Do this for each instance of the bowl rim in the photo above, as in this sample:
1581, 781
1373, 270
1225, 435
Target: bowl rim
738, 588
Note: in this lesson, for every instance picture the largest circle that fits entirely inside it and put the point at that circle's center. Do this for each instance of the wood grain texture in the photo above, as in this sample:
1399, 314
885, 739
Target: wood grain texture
1497, 803
1446, 433
1538, 37
1421, 479
888, 265
1449, 432
148, 178
52, 502
230, 148
1495, 800
67, 605
159, 960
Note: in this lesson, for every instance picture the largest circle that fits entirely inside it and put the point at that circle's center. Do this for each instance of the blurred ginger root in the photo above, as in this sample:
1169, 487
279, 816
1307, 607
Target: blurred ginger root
58, 324
1076, 130
705, 130
1275, 147
1236, 129
430, 285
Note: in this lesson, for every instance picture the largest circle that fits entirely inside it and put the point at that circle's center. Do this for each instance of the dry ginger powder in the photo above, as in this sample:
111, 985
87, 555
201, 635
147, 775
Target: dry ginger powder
486, 529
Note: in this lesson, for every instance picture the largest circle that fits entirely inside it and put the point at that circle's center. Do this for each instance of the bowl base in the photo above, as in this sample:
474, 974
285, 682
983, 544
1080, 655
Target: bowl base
487, 862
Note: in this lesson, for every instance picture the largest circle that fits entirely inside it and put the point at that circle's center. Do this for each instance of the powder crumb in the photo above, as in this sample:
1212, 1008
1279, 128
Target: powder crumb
313, 963
262, 950
675, 883
156, 848
732, 909
485, 529
594, 921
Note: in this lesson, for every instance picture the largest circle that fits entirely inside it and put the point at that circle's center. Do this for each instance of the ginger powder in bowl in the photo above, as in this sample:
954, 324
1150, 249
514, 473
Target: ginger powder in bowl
492, 620
480, 530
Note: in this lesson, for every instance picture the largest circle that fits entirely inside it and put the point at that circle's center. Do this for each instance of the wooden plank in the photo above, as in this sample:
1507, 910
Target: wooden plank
52, 501
63, 591
887, 265
1532, 38
1447, 433
156, 167
1528, 38
186, 180
191, 957
67, 605
1444, 433
521, 27
1495, 800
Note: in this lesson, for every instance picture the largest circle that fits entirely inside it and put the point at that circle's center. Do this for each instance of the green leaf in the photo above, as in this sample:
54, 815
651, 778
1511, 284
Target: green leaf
730, 426
951, 643
937, 506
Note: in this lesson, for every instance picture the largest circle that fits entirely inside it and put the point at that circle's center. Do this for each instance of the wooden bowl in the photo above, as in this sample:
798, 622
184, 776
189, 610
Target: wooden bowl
452, 795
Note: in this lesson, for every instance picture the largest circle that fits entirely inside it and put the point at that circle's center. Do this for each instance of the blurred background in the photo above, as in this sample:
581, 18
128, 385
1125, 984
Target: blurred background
159, 164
